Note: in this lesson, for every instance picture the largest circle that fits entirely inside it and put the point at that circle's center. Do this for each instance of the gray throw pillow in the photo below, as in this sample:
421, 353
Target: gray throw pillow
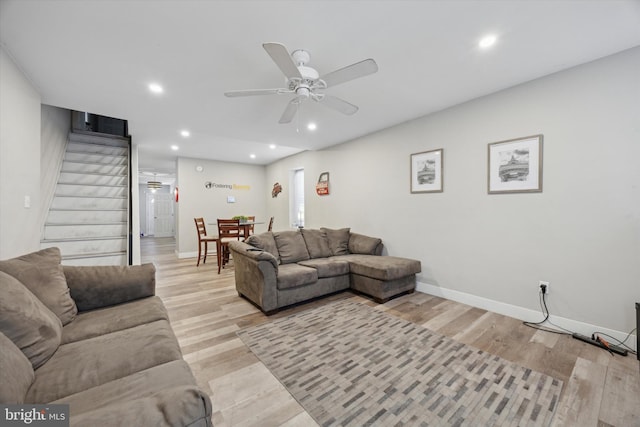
26, 321
42, 274
291, 246
316, 242
266, 242
338, 240
16, 373
361, 244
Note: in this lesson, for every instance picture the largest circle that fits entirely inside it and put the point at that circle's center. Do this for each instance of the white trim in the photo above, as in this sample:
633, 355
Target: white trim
520, 312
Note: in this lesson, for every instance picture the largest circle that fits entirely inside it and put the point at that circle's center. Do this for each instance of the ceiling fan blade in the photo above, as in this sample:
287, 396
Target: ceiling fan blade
278, 52
252, 92
339, 105
290, 112
350, 72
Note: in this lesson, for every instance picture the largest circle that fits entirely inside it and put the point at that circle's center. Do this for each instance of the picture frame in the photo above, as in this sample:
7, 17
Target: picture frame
515, 165
426, 171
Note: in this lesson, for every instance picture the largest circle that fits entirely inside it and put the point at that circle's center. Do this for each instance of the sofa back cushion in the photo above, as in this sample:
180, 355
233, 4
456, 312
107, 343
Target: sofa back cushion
317, 243
16, 373
266, 242
42, 274
361, 244
291, 246
338, 240
26, 321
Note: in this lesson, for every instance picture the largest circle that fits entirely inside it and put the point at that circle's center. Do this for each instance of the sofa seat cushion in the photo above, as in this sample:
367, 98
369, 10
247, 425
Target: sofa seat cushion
141, 384
43, 275
27, 322
93, 323
81, 365
293, 275
327, 267
16, 372
382, 267
291, 246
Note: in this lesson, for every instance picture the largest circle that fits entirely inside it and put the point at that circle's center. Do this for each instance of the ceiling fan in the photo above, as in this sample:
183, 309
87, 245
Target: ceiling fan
304, 82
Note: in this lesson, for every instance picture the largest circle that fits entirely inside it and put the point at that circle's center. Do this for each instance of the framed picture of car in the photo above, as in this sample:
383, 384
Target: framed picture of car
426, 171
515, 165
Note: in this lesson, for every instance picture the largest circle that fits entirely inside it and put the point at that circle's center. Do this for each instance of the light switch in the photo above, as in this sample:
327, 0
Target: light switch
27, 201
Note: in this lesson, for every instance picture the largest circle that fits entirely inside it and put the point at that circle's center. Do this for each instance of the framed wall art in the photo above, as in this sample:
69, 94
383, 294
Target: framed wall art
515, 165
426, 171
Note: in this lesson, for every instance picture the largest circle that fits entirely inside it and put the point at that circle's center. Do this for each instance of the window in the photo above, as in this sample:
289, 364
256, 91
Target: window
296, 198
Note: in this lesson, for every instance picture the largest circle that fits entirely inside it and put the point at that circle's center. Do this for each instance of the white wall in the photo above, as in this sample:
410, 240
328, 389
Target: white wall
54, 134
195, 200
19, 161
582, 233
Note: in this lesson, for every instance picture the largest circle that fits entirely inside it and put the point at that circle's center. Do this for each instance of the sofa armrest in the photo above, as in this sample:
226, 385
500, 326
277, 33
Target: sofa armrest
100, 286
256, 273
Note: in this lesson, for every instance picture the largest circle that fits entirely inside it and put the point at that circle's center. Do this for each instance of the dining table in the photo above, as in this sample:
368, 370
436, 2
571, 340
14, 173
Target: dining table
244, 226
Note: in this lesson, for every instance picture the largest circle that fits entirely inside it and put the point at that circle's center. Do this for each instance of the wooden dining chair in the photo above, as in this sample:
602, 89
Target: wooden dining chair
203, 239
251, 227
270, 228
228, 230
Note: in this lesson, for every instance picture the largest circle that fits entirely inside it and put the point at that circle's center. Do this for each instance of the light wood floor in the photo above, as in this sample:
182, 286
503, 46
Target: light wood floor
205, 312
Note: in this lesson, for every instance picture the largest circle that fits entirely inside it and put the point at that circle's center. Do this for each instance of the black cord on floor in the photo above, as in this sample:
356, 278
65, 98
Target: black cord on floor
546, 314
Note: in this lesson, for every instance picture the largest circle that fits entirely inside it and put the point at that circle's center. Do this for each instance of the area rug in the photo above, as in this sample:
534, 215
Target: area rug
349, 364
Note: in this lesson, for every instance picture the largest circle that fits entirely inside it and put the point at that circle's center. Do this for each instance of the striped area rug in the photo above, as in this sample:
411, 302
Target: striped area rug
349, 364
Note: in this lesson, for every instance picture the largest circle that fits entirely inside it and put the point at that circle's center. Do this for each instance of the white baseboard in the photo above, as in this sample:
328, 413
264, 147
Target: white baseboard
521, 313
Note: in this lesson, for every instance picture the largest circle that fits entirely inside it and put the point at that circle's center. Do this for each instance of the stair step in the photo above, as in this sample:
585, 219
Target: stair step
79, 147
86, 137
108, 258
69, 231
86, 215
75, 247
65, 189
97, 159
72, 203
106, 169
72, 177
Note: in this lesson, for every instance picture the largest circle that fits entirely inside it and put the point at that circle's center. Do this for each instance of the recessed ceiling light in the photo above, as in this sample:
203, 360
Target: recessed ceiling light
311, 126
253, 156
272, 146
487, 41
175, 147
155, 88
185, 133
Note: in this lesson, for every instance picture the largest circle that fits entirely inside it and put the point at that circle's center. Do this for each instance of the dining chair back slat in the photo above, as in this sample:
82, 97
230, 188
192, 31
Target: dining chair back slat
203, 240
228, 230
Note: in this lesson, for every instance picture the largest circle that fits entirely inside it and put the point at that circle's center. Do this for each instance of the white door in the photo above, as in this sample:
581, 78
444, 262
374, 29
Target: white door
163, 215
160, 221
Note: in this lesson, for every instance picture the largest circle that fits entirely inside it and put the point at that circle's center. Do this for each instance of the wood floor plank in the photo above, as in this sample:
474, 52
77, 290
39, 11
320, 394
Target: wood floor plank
205, 311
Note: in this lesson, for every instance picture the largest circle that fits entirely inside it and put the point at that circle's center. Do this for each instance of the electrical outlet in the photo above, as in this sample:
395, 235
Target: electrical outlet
542, 283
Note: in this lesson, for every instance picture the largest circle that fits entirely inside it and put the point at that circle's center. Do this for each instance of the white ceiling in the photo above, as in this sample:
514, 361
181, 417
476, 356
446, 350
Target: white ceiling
99, 56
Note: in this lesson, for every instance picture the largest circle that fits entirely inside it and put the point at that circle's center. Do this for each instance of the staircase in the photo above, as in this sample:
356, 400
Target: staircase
88, 216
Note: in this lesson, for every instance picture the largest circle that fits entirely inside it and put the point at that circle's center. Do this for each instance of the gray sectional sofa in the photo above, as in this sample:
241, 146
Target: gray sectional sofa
278, 269
95, 338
